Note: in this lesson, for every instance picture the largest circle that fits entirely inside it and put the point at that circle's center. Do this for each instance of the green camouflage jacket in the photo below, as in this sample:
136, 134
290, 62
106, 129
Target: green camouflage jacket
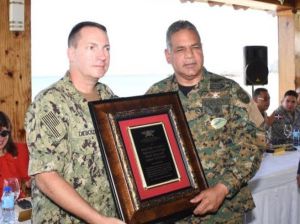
61, 138
283, 117
228, 154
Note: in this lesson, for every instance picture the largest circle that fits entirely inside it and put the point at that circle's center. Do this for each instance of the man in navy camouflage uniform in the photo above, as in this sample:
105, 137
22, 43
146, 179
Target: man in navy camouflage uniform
216, 111
69, 180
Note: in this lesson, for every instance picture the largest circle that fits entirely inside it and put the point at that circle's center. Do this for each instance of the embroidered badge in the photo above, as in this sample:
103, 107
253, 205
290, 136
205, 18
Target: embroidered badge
218, 122
213, 106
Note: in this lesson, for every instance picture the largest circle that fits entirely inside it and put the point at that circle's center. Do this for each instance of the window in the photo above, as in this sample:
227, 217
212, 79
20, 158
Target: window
137, 35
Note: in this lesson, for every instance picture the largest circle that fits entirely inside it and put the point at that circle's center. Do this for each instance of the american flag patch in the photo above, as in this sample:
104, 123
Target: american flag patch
51, 121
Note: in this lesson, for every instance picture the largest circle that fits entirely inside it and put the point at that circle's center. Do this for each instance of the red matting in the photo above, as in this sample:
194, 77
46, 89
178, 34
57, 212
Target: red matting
164, 188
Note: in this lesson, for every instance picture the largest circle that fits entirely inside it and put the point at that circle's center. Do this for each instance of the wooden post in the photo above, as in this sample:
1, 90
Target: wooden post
297, 49
287, 49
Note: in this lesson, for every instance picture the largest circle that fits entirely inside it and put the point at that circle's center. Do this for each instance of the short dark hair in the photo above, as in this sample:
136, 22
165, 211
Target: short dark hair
291, 93
258, 91
74, 34
177, 26
10, 146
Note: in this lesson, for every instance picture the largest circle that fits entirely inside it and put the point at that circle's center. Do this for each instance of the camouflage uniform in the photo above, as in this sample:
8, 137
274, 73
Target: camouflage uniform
228, 154
61, 138
285, 117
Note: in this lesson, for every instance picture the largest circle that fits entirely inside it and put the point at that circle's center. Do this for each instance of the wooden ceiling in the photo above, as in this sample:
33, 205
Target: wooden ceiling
272, 5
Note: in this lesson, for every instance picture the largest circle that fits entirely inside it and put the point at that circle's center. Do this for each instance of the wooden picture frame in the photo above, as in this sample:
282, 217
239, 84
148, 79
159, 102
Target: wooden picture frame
149, 155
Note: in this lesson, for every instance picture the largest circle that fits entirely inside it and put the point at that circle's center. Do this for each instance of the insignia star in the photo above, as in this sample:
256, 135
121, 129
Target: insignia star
278, 116
215, 95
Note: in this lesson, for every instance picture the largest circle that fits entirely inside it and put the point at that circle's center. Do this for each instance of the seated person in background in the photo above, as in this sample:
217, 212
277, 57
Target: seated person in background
286, 113
13, 157
262, 99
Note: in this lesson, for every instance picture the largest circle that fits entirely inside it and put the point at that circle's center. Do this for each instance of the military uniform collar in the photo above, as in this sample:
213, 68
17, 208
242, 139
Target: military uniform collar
70, 88
175, 85
283, 110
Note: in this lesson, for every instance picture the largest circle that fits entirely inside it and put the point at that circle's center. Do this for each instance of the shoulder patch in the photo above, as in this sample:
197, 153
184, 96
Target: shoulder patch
53, 124
242, 96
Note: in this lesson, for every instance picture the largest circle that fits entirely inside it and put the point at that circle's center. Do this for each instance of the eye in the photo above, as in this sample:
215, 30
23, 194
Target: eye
197, 46
180, 49
91, 47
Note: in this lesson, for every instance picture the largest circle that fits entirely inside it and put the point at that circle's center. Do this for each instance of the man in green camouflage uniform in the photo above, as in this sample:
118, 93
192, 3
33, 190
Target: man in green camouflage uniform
288, 113
69, 180
216, 111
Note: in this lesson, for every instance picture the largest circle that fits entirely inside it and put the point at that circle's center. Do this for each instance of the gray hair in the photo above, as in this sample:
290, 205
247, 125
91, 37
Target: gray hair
177, 26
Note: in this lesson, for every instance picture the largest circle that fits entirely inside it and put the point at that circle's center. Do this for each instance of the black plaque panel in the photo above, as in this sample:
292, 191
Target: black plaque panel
154, 153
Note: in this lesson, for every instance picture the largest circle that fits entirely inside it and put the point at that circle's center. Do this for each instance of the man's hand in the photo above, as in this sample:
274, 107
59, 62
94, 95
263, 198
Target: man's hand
270, 119
65, 196
210, 199
109, 220
298, 180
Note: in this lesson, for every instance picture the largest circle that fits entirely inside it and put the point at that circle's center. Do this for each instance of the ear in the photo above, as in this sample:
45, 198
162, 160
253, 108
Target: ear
168, 56
70, 53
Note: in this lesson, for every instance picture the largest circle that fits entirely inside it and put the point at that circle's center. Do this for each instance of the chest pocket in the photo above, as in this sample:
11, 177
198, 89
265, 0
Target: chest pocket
216, 107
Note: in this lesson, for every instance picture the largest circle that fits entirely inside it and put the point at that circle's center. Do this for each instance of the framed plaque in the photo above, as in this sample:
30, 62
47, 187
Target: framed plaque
149, 156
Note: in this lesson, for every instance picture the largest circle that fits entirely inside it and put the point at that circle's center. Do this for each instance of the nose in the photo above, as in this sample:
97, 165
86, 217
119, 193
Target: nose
101, 54
188, 52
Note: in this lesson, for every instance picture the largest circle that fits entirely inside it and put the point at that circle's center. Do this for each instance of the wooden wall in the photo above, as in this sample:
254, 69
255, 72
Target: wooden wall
15, 69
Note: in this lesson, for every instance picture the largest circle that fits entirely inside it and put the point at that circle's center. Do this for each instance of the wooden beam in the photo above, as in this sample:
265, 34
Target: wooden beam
15, 70
272, 5
297, 5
